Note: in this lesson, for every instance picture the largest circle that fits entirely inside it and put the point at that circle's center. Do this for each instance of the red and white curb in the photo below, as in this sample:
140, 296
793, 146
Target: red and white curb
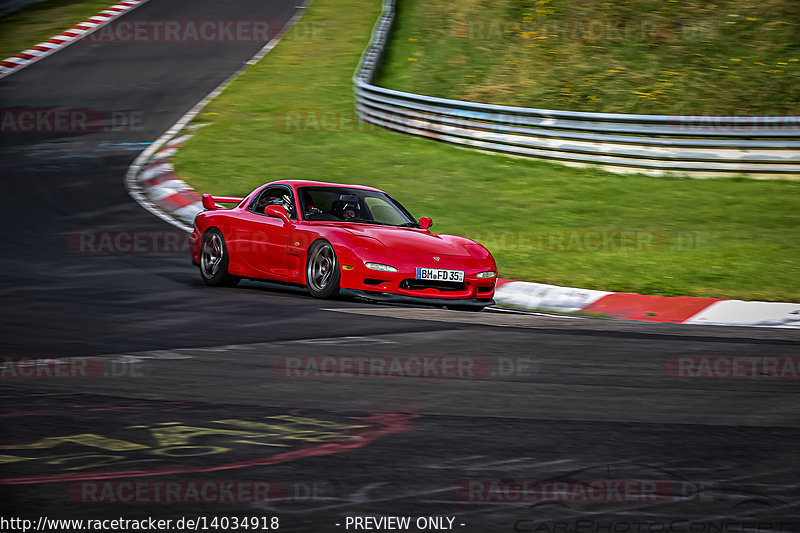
158, 186
674, 310
65, 38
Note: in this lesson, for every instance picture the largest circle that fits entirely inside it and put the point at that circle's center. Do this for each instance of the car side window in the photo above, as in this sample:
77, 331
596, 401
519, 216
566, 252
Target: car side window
317, 204
280, 196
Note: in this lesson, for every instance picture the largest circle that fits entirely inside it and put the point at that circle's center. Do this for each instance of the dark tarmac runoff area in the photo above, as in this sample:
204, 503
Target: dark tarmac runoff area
133, 392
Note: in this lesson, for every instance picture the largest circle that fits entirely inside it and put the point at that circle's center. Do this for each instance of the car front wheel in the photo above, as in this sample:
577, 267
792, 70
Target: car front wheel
322, 270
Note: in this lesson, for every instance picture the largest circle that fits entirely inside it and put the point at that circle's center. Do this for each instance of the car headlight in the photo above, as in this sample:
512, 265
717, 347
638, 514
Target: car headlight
381, 267
487, 274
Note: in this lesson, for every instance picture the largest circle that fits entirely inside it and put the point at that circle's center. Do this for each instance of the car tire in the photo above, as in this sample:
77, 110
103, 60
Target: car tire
322, 270
214, 260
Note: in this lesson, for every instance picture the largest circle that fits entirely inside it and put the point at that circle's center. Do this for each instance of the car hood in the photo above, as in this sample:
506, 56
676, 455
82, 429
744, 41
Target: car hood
413, 240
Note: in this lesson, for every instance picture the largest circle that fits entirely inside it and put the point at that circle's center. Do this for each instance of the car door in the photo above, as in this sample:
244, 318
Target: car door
261, 240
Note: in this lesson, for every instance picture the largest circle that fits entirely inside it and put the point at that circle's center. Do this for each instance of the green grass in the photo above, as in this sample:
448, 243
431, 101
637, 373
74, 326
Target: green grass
36, 23
740, 235
727, 57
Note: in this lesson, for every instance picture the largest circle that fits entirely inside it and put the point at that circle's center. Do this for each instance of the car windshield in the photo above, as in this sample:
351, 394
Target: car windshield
344, 204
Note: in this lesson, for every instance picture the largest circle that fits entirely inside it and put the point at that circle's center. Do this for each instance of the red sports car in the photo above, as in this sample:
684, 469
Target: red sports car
339, 239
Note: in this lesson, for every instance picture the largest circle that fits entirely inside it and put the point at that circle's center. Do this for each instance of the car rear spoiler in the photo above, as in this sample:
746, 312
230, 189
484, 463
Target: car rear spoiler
210, 202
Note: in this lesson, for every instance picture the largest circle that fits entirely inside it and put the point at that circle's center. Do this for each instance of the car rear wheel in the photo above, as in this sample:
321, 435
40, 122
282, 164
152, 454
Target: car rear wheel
322, 270
214, 260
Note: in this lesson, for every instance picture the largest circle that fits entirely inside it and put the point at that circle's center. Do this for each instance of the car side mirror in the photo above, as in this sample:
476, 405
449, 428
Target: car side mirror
276, 211
425, 222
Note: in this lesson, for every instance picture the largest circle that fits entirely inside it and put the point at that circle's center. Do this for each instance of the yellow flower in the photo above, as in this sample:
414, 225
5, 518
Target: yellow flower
412, 58
735, 59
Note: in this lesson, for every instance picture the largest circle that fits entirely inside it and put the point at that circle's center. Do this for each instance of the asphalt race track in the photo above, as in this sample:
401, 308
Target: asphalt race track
187, 385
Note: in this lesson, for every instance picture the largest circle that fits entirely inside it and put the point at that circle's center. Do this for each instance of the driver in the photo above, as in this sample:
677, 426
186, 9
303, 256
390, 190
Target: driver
350, 211
283, 201
346, 210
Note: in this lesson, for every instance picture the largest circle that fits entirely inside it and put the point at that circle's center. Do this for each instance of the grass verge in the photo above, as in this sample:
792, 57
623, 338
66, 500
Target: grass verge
290, 116
36, 23
729, 57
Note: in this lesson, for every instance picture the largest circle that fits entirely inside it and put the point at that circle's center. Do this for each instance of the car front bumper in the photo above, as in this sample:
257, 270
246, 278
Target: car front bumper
402, 298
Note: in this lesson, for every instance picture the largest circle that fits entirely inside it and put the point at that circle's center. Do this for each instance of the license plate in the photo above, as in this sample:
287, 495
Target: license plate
440, 274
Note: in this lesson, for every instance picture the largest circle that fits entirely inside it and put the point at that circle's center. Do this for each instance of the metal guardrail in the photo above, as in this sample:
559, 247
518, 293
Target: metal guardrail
652, 144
